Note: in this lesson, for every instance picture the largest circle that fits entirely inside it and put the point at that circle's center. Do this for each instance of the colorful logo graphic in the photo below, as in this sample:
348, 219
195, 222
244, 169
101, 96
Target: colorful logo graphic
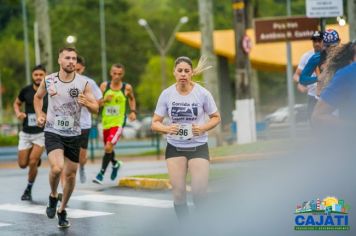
327, 214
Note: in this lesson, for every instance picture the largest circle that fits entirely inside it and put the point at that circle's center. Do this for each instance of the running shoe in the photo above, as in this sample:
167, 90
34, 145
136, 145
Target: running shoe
115, 169
26, 196
51, 207
62, 219
82, 175
98, 179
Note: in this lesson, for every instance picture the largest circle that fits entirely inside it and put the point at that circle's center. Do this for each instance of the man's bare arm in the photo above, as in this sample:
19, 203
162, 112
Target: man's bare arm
17, 108
87, 99
132, 102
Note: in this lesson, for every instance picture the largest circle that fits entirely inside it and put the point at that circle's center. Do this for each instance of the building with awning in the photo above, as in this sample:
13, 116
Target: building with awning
266, 56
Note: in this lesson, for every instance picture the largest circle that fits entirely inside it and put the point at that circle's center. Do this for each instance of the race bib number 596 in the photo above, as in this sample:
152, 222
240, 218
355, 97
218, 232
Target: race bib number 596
185, 132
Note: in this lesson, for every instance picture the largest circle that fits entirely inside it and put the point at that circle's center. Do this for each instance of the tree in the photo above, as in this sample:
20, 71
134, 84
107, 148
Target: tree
149, 88
126, 41
8, 11
44, 33
12, 70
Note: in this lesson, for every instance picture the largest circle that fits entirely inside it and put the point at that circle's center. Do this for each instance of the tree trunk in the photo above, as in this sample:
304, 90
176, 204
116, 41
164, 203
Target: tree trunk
44, 33
207, 50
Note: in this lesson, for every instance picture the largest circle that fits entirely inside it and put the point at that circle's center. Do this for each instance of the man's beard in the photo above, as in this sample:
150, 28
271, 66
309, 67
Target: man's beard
69, 69
34, 82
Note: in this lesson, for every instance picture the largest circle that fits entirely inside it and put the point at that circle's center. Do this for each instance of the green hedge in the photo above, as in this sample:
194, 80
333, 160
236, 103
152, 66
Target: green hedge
8, 140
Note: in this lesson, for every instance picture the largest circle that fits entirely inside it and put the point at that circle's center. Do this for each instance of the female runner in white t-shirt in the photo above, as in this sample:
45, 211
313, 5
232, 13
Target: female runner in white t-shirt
192, 112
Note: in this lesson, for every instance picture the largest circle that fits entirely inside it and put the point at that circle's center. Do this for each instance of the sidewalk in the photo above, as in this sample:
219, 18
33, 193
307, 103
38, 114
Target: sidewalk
151, 183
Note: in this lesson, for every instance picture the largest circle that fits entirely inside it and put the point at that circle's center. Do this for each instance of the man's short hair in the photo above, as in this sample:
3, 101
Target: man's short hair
39, 67
80, 60
119, 65
68, 49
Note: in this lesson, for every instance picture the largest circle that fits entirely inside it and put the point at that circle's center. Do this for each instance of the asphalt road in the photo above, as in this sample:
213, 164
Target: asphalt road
258, 199
93, 209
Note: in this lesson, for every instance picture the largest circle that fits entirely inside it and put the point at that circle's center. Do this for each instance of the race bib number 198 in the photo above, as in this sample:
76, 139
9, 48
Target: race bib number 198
112, 110
63, 122
31, 119
185, 132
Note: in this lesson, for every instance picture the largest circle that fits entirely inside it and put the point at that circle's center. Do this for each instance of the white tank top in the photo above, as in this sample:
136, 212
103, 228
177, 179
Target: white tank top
63, 112
85, 118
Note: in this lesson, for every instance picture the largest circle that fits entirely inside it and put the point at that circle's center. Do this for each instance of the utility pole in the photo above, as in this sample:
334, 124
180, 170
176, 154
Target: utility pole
37, 44
103, 40
245, 117
253, 76
207, 50
25, 34
290, 87
351, 8
242, 69
44, 34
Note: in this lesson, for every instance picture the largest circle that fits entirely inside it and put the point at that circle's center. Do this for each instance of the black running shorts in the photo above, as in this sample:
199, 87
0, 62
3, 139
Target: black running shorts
84, 138
201, 151
70, 145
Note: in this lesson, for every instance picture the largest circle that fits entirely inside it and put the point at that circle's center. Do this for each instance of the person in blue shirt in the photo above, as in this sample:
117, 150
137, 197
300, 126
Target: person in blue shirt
311, 90
330, 39
340, 94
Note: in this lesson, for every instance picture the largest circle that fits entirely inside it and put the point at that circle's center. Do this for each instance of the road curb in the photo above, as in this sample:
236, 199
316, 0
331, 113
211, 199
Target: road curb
163, 184
144, 183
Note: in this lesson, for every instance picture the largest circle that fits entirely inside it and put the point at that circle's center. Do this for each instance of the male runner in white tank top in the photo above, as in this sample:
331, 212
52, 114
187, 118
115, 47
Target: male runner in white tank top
67, 93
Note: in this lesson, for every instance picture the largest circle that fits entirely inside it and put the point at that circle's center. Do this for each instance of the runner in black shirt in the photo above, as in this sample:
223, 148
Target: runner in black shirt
31, 138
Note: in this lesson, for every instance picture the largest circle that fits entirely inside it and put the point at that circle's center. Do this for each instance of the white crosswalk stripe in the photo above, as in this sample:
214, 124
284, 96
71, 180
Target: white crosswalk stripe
4, 224
40, 209
124, 200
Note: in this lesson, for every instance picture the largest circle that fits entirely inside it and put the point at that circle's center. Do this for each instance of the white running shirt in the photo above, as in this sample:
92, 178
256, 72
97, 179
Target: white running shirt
186, 110
85, 117
63, 112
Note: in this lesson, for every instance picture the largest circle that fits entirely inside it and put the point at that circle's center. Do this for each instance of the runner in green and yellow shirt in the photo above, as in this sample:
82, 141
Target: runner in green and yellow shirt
116, 94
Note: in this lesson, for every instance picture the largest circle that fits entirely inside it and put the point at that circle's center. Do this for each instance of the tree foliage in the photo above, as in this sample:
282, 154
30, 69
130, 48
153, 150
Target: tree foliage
126, 41
150, 85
